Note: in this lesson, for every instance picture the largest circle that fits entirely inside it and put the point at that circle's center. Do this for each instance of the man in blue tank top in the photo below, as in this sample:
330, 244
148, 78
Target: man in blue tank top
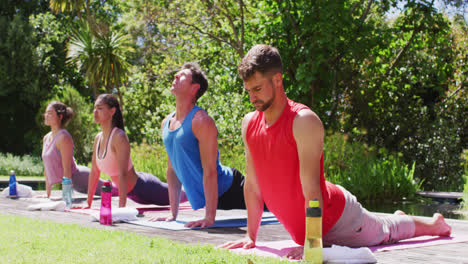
190, 137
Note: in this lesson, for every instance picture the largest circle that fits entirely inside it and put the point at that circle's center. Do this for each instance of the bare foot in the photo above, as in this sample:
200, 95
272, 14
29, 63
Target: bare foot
443, 228
399, 212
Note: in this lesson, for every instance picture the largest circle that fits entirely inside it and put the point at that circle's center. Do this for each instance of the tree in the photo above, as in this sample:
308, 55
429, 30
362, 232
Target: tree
101, 55
20, 89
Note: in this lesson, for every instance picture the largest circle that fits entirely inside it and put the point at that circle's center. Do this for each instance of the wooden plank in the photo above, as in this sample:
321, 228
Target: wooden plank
442, 195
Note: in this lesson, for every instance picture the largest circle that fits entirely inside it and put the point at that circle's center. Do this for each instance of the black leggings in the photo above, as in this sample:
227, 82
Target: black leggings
233, 198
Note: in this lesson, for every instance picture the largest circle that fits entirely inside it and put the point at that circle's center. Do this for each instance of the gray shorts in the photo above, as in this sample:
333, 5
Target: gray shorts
357, 227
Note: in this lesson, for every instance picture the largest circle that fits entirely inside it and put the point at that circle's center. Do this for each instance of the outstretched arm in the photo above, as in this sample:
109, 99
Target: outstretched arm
252, 196
174, 189
121, 146
308, 133
174, 186
205, 131
94, 174
65, 146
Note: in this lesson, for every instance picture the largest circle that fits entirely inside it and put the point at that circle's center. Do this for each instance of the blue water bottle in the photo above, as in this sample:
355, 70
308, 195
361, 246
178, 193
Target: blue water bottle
12, 185
67, 192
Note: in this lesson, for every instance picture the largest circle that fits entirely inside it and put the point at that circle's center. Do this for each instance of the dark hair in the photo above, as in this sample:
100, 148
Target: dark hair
262, 58
198, 76
63, 110
111, 101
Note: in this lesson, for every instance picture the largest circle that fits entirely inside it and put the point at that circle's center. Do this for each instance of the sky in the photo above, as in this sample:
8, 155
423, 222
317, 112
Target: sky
439, 5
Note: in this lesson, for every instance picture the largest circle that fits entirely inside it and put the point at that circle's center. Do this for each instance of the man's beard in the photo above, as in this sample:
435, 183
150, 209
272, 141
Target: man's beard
265, 105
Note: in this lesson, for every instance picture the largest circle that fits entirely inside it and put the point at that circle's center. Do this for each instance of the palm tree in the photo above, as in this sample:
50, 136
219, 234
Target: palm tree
82, 51
101, 55
73, 6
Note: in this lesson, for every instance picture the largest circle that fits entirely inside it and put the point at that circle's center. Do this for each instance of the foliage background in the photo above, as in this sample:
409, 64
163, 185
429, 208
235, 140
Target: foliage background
393, 85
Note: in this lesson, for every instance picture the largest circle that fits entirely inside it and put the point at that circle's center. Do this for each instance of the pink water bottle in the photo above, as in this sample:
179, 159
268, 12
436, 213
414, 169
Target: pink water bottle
105, 217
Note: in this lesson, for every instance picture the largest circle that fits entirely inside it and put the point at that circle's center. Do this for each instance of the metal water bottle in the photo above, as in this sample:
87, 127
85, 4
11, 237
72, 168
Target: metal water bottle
12, 185
313, 240
105, 216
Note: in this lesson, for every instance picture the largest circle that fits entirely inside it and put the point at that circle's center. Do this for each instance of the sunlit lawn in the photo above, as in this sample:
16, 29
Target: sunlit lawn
25, 240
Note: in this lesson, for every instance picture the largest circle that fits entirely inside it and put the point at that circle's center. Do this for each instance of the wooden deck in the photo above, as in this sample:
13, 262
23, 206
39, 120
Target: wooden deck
450, 253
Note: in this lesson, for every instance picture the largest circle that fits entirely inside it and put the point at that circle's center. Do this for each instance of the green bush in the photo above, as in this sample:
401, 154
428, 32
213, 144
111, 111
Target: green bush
150, 158
26, 165
153, 158
365, 173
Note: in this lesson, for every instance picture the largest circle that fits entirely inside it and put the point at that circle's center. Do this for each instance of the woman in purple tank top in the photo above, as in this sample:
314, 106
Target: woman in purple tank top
111, 155
57, 150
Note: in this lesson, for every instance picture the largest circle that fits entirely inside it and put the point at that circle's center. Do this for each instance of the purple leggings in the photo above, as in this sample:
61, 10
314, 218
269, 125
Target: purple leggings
149, 190
80, 180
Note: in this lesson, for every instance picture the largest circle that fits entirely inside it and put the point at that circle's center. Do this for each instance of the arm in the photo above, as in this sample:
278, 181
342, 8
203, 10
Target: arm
48, 187
94, 174
205, 131
121, 146
308, 133
174, 186
252, 195
65, 146
174, 190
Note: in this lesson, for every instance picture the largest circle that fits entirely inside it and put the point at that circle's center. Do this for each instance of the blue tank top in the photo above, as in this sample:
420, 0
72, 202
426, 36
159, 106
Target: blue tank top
183, 151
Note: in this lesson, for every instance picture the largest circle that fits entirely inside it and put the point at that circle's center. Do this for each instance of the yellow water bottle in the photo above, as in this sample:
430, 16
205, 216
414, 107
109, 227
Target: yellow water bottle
313, 239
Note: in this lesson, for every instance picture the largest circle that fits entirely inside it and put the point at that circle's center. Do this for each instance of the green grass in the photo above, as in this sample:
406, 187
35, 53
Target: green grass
68, 243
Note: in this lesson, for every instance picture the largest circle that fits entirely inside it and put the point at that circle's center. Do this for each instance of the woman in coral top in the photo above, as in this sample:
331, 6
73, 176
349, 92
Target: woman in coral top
111, 155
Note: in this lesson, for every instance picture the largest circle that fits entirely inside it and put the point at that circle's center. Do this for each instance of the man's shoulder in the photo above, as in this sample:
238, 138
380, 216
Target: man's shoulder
202, 123
306, 120
306, 116
247, 118
202, 117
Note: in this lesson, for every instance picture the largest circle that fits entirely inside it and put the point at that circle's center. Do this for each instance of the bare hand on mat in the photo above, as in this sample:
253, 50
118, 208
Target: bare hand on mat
245, 243
164, 218
205, 222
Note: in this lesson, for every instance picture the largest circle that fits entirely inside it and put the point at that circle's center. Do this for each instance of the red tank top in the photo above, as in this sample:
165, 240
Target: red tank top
276, 162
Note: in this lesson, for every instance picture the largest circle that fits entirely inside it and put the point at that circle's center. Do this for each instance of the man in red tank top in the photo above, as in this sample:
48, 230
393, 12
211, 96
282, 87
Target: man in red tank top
284, 169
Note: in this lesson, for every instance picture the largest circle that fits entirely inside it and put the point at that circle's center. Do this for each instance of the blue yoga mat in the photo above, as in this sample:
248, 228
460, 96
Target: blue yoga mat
223, 221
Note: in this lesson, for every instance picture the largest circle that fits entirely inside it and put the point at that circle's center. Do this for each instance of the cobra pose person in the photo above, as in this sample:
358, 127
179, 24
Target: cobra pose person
191, 140
57, 151
284, 162
111, 155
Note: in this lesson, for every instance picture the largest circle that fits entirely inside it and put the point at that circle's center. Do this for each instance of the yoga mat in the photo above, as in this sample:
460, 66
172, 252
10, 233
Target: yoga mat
141, 208
282, 247
335, 254
422, 241
157, 208
269, 249
221, 221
